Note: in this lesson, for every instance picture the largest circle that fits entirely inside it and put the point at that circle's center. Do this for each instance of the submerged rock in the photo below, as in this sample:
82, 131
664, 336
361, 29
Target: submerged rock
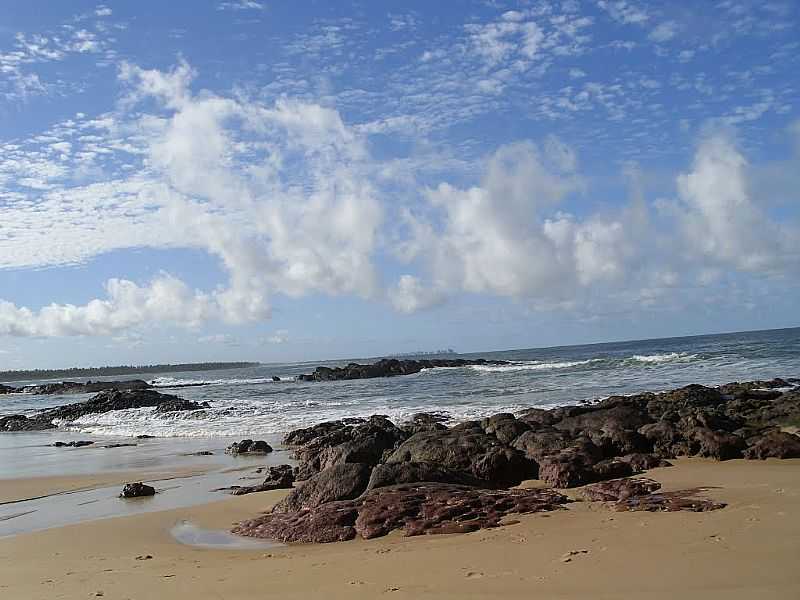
137, 490
76, 444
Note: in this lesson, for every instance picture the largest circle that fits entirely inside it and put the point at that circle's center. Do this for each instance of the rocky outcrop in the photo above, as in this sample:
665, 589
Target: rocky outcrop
103, 402
89, 387
416, 509
415, 472
367, 477
389, 367
180, 405
248, 447
341, 482
137, 490
278, 478
110, 400
468, 450
615, 490
23, 423
353, 441
774, 444
5, 389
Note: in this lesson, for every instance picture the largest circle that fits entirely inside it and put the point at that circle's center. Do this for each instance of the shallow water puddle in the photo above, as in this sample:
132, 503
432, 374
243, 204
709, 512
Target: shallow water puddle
190, 534
66, 508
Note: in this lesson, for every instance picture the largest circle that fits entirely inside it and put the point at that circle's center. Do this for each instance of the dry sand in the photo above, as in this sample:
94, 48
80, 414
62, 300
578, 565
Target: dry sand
751, 549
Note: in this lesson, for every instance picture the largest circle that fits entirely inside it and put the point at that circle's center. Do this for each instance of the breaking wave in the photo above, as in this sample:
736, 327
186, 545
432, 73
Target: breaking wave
657, 359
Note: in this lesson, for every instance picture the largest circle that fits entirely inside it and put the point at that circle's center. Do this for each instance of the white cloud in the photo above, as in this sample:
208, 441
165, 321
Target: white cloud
722, 221
126, 305
281, 336
624, 11
103, 11
241, 5
664, 32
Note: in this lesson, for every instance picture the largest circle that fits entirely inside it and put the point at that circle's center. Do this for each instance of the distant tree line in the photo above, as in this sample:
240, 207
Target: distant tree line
119, 370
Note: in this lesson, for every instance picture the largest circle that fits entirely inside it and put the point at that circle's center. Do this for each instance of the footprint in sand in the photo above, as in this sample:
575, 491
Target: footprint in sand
474, 575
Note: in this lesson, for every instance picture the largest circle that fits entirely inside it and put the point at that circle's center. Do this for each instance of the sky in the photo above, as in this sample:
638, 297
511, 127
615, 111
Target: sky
278, 181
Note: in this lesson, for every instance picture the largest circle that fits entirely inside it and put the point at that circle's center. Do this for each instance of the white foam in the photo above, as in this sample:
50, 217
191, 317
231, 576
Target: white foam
664, 358
533, 365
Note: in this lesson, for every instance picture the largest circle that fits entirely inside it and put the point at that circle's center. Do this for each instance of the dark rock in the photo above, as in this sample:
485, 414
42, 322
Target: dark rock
538, 444
619, 489
331, 522
363, 441
644, 462
248, 447
425, 508
669, 502
179, 404
144, 436
390, 367
691, 396
300, 437
415, 472
664, 437
341, 482
538, 417
278, 478
775, 444
5, 389
137, 490
109, 400
275, 378
470, 451
572, 466
76, 444
23, 423
202, 453
90, 387
118, 445
612, 468
719, 445
505, 427
425, 422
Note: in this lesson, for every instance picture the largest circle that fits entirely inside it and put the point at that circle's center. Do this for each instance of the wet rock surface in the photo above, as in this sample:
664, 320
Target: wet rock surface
416, 509
389, 367
366, 477
689, 500
278, 478
137, 490
74, 387
75, 444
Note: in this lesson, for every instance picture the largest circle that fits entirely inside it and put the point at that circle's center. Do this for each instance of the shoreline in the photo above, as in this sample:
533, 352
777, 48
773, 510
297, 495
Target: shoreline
745, 550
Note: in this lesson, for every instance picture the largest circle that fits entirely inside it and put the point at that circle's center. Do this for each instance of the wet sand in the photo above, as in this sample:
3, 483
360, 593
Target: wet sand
748, 550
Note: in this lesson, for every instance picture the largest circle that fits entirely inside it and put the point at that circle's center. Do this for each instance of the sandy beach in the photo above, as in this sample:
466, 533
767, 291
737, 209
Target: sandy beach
747, 550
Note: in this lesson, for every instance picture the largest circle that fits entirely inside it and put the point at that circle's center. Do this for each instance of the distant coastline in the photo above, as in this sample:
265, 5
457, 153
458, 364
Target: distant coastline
120, 370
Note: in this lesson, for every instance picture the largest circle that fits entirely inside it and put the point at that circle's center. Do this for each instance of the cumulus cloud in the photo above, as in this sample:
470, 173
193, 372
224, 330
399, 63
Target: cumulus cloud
275, 192
165, 299
286, 196
720, 218
506, 235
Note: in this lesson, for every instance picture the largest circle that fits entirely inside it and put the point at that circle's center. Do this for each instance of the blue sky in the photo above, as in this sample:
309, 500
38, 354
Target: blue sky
300, 180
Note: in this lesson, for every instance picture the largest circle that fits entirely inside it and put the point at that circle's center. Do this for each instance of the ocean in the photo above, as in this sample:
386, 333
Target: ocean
247, 402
